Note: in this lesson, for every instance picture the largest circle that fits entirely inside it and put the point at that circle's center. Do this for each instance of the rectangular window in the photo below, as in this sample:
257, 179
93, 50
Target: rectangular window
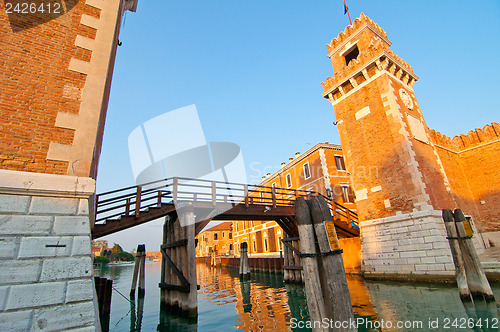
261, 196
280, 243
351, 54
230, 236
265, 245
254, 247
339, 161
307, 171
215, 236
347, 194
288, 181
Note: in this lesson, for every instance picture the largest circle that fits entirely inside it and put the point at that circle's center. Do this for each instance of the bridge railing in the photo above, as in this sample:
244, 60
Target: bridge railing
132, 200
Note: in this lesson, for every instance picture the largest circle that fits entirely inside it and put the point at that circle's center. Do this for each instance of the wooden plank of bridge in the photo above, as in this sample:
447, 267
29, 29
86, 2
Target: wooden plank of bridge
182, 262
312, 286
174, 294
332, 274
476, 278
286, 258
297, 274
451, 231
165, 268
191, 306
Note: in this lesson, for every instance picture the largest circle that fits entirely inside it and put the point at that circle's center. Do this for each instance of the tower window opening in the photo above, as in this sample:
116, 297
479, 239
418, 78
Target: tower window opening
351, 54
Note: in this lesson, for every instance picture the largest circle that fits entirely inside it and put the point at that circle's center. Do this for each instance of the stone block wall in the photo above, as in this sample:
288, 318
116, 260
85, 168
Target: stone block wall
413, 246
45, 255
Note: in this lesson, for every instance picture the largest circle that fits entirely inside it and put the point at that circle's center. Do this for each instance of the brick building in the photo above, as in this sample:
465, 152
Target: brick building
320, 169
55, 75
404, 173
218, 239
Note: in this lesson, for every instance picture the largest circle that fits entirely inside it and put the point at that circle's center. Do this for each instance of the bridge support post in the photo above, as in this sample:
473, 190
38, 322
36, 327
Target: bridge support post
191, 307
179, 285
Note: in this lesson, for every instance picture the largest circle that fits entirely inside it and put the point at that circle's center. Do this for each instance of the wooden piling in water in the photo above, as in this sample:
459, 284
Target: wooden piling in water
312, 287
244, 264
139, 270
451, 231
476, 278
286, 255
179, 285
192, 299
332, 274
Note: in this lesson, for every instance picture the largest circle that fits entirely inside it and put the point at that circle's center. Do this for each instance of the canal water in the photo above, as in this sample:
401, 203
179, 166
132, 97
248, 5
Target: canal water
265, 303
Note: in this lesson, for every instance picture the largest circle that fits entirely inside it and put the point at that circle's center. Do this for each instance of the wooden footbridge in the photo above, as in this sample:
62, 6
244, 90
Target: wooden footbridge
128, 207
188, 205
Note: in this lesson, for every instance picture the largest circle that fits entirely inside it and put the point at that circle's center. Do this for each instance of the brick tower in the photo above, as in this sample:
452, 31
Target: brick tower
399, 181
56, 64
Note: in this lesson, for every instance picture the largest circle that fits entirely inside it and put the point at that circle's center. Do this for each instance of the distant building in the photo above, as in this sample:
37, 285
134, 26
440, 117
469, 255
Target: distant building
321, 169
218, 239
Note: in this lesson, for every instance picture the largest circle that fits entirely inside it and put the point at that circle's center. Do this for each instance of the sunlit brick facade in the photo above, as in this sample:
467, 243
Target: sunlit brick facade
403, 172
320, 169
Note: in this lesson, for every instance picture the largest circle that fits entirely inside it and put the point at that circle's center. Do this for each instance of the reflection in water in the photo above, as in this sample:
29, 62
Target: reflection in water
263, 302
136, 312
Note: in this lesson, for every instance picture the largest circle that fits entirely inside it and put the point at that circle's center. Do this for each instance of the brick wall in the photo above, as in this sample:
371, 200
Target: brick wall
471, 165
36, 85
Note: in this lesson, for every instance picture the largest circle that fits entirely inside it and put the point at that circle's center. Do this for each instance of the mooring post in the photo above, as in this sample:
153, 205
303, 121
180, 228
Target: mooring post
307, 243
244, 267
139, 269
476, 278
451, 231
142, 270
332, 274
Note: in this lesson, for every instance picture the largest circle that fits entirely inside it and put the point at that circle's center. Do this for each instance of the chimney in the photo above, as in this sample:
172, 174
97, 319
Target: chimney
290, 159
297, 154
263, 178
283, 165
268, 175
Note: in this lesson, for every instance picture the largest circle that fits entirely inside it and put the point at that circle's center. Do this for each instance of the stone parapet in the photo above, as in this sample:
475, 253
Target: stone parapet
412, 246
45, 253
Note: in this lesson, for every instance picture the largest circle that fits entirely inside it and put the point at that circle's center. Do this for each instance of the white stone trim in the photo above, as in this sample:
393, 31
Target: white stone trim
85, 42
95, 3
90, 21
79, 66
28, 183
402, 217
362, 112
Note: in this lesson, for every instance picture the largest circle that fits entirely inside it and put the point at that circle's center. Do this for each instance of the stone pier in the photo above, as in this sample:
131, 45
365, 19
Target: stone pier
45, 253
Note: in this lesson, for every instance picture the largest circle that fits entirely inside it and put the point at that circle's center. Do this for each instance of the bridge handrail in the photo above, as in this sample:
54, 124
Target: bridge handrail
130, 200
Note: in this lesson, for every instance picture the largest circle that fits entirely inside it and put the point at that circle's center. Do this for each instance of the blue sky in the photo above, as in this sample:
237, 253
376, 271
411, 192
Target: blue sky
254, 70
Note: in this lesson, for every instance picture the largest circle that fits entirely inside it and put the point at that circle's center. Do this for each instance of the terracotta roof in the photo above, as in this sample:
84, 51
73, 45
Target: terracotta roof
225, 226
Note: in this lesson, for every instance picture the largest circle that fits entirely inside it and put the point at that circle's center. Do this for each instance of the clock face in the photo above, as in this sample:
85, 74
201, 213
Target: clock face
405, 97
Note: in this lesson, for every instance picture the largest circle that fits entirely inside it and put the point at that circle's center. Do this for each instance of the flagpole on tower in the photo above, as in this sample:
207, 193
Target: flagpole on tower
346, 10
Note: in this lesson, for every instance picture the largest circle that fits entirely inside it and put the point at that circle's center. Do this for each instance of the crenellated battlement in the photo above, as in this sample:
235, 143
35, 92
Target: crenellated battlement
355, 26
473, 138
